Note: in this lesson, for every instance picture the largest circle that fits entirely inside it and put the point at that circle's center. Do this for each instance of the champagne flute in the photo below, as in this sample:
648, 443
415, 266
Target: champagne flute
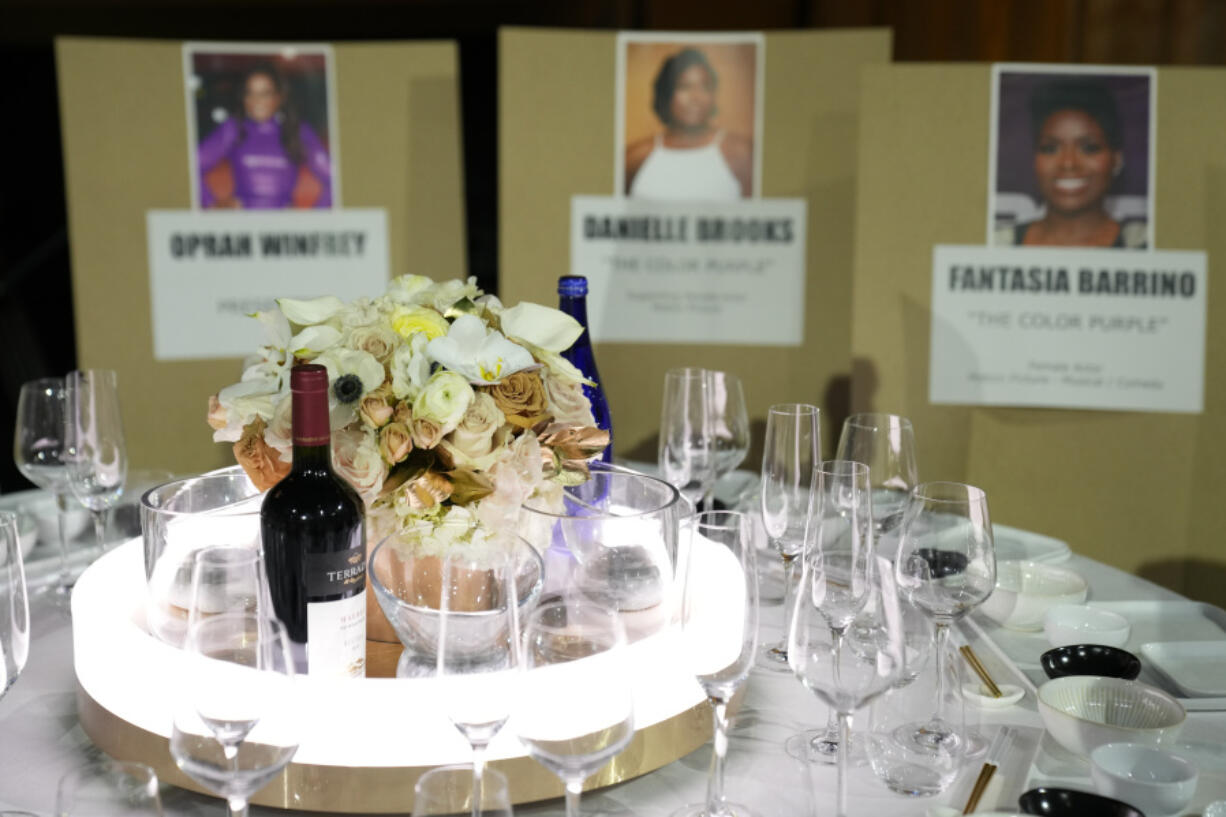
793, 443
946, 567
886, 444
578, 711
687, 448
97, 459
838, 553
235, 724
14, 604
825, 663
455, 789
40, 453
480, 662
228, 579
109, 787
729, 426
719, 631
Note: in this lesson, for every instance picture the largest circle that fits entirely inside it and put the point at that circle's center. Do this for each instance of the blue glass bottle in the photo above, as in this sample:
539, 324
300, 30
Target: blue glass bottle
572, 299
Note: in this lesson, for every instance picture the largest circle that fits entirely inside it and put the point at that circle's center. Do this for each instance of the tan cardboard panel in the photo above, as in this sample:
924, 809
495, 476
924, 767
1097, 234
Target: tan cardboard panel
1138, 490
556, 140
125, 152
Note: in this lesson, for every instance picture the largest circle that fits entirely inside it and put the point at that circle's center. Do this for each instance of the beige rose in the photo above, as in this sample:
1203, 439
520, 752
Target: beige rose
567, 402
426, 433
377, 341
521, 397
474, 436
395, 442
376, 409
356, 457
261, 462
403, 412
218, 417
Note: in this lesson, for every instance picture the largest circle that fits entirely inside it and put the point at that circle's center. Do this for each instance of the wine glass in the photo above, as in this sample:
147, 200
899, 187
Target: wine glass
480, 664
455, 789
235, 723
228, 579
577, 712
789, 461
886, 444
729, 426
96, 457
825, 663
687, 439
719, 630
109, 787
40, 453
946, 567
838, 554
14, 605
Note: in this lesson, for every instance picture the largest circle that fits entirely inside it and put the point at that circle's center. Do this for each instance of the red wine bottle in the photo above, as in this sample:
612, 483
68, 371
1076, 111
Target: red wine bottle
313, 527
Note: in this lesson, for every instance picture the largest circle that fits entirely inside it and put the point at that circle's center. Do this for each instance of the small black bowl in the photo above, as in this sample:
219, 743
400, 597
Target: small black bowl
1071, 803
1090, 659
942, 563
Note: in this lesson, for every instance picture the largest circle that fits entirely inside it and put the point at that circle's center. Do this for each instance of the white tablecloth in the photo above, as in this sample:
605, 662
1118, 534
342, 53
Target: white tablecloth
40, 740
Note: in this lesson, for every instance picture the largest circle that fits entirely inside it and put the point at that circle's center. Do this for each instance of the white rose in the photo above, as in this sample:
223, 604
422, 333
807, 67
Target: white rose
442, 296
405, 289
356, 457
567, 402
410, 367
444, 400
362, 312
474, 436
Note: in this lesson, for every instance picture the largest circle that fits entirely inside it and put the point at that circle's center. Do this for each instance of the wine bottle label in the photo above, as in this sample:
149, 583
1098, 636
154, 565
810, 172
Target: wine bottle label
336, 637
336, 573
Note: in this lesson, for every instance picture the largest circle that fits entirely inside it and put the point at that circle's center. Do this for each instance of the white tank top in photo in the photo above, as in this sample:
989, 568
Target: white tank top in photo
699, 174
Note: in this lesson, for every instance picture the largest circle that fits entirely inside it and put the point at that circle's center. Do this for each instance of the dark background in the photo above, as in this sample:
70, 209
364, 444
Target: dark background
36, 322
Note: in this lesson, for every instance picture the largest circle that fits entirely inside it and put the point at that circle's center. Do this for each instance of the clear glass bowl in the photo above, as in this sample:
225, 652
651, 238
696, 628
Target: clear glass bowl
179, 518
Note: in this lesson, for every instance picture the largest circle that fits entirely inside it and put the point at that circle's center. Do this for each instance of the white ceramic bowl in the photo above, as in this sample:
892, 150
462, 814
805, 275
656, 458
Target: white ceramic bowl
1025, 591
1067, 624
1154, 781
76, 519
1083, 712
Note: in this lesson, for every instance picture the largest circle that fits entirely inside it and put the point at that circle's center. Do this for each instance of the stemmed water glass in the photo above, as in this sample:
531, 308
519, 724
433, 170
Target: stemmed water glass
109, 787
687, 433
719, 630
455, 789
946, 567
96, 456
479, 660
886, 444
729, 427
40, 453
228, 579
825, 662
838, 554
14, 605
789, 462
235, 724
578, 712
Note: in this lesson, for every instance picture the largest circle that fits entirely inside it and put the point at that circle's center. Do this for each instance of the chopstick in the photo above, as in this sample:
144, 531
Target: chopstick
973, 660
996, 753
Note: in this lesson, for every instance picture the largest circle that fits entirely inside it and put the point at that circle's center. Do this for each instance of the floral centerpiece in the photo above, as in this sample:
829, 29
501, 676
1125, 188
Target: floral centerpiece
445, 405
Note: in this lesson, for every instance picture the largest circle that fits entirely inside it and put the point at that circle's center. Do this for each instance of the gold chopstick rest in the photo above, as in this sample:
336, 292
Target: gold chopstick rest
981, 784
973, 660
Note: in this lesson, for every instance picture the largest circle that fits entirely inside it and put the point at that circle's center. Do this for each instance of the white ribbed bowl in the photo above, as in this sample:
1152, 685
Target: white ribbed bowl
1025, 591
1083, 712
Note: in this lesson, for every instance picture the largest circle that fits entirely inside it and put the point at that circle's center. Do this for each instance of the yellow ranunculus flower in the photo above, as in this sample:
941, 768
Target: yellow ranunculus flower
407, 320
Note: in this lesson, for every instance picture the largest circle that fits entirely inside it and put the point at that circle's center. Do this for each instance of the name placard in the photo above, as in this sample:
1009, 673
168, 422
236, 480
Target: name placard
1068, 328
681, 272
208, 271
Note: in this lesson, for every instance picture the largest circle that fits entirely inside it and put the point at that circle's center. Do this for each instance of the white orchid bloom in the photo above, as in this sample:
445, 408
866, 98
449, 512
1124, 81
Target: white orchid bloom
314, 341
313, 311
410, 367
352, 374
541, 326
244, 401
482, 355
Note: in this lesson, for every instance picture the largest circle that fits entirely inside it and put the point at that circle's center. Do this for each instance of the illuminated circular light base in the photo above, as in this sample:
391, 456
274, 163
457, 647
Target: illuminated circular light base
367, 741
